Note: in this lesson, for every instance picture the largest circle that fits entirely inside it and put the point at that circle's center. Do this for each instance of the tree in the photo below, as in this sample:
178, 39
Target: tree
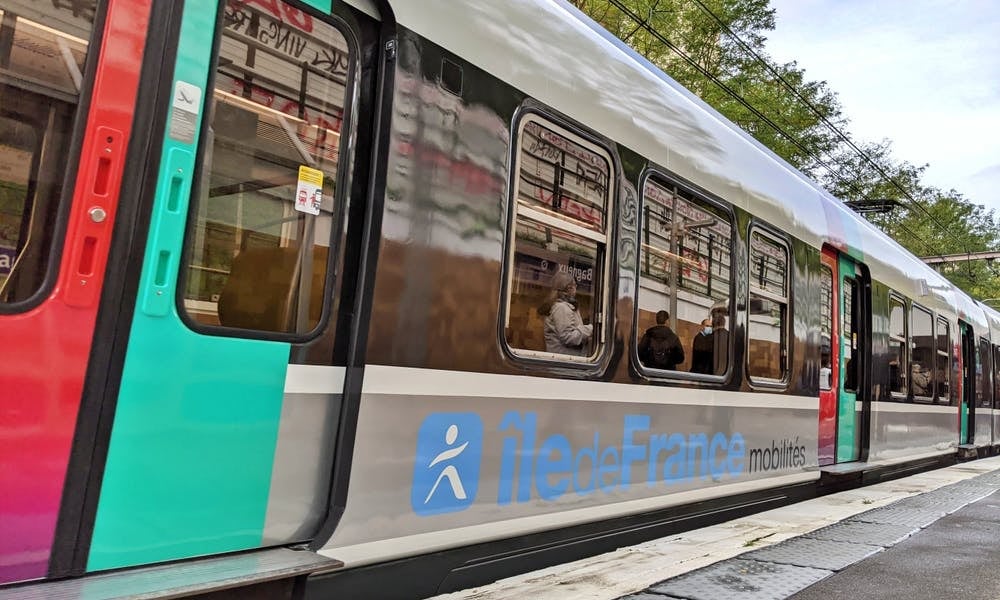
713, 47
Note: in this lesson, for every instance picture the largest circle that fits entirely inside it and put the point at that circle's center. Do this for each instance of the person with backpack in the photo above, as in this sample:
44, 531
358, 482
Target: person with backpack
660, 348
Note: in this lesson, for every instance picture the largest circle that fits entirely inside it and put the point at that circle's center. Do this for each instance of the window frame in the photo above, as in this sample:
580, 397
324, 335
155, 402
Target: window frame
996, 375
824, 271
341, 192
911, 346
853, 316
603, 310
29, 201
904, 373
785, 352
987, 373
938, 321
70, 180
664, 179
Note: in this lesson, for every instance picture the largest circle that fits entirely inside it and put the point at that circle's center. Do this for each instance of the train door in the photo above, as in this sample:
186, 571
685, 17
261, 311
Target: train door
229, 400
68, 78
843, 352
967, 412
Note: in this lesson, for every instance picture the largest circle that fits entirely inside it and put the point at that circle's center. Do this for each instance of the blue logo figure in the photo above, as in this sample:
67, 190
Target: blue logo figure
446, 467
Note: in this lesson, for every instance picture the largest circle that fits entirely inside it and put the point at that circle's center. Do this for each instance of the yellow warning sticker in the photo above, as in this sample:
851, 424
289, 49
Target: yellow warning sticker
309, 193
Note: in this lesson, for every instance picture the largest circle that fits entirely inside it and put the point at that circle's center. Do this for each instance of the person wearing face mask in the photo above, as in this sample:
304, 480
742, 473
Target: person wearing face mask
564, 331
702, 349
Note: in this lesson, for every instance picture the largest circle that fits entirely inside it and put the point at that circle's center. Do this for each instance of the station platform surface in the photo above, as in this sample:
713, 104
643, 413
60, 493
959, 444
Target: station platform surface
931, 535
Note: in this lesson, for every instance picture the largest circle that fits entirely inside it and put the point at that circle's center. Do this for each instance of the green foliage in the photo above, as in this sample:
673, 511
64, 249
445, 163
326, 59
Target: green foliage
950, 224
710, 62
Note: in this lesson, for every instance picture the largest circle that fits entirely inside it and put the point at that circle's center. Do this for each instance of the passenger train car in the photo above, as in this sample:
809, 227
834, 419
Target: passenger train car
278, 288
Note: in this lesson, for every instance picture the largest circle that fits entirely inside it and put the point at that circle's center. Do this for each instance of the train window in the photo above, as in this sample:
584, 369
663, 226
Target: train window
996, 376
943, 367
43, 48
984, 380
849, 334
825, 327
767, 332
266, 209
898, 373
557, 267
922, 354
685, 265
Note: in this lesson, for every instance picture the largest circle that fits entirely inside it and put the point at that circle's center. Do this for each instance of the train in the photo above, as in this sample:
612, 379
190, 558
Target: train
377, 298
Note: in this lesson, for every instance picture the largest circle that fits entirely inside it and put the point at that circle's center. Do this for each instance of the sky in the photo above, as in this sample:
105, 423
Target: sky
924, 74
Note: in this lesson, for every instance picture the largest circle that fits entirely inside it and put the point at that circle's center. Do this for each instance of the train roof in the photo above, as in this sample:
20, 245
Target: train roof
556, 54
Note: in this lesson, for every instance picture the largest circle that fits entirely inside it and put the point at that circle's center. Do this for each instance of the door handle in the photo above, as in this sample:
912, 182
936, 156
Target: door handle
168, 224
90, 243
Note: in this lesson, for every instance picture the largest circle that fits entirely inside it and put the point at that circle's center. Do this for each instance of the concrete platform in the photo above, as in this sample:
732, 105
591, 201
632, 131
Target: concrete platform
752, 552
955, 557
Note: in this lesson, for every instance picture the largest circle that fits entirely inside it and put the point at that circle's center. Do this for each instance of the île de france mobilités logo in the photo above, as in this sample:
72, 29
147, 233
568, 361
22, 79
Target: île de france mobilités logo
446, 467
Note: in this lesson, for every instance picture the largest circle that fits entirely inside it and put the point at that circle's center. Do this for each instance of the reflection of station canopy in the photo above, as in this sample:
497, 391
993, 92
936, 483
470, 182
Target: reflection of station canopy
685, 247
288, 80
46, 59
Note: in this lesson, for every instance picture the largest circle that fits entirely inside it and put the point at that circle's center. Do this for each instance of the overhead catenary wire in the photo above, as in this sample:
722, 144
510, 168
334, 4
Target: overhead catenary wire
644, 24
743, 101
832, 126
739, 98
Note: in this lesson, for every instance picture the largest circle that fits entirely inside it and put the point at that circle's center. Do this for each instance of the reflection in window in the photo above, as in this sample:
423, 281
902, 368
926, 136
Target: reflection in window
684, 273
849, 335
943, 366
984, 381
557, 263
898, 373
922, 358
261, 242
825, 328
43, 48
768, 326
996, 376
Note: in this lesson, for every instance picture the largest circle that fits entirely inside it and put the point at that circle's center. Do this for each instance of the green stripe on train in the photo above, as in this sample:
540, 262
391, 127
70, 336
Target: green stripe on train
196, 423
321, 5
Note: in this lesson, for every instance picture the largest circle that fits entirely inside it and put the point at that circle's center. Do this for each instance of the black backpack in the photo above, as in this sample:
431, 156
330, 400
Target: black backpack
663, 354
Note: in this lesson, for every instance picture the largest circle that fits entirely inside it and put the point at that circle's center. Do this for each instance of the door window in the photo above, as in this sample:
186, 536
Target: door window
849, 334
267, 208
825, 328
43, 50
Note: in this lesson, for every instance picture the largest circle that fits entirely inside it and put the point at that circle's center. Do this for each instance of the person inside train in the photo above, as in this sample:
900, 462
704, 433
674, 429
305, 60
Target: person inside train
720, 342
942, 393
660, 347
565, 332
702, 349
825, 369
921, 380
895, 384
